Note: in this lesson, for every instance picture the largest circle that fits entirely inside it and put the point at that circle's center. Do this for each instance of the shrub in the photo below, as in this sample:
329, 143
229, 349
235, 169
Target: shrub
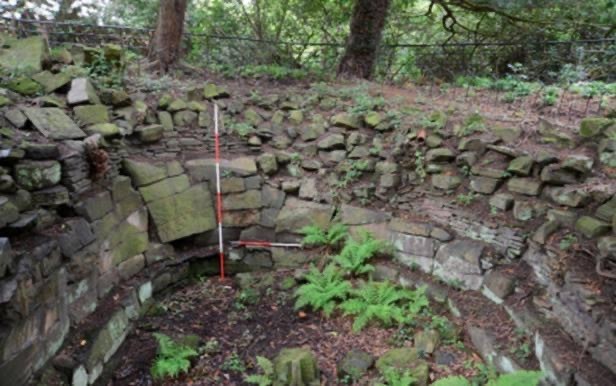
323, 289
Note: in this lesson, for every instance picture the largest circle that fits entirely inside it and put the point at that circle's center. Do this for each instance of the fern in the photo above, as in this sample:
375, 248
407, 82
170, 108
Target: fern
355, 254
452, 381
265, 379
417, 301
172, 359
378, 301
331, 237
323, 289
395, 377
517, 378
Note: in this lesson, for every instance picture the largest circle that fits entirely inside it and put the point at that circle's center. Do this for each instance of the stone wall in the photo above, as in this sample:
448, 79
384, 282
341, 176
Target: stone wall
106, 198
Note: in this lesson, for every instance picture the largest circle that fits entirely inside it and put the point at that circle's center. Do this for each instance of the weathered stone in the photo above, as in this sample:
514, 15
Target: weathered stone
545, 230
267, 163
497, 286
42, 151
6, 254
106, 130
185, 118
521, 166
296, 366
212, 91
405, 359
177, 105
507, 134
354, 364
23, 55
16, 118
592, 126
331, 141
579, 163
556, 175
82, 91
439, 155
108, 340
144, 173
150, 133
204, 168
607, 210
569, 197
346, 121
53, 123
131, 266
23, 85
33, 175
413, 245
484, 185
562, 217
487, 172
524, 185
523, 210
52, 82
8, 212
296, 117
311, 132
250, 199
332, 158
459, 261
296, 214
426, 341
184, 214
95, 207
353, 215
410, 227
308, 190
591, 227
446, 182
165, 188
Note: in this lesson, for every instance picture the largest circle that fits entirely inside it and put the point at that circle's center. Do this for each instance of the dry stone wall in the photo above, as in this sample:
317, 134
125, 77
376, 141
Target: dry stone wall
107, 198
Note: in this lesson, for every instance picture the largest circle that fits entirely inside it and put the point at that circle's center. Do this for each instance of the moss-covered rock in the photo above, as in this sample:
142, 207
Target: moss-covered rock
591, 227
24, 86
34, 175
91, 114
296, 367
592, 126
404, 359
24, 56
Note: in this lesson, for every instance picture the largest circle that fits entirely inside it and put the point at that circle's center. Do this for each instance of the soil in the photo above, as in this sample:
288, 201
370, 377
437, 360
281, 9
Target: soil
228, 327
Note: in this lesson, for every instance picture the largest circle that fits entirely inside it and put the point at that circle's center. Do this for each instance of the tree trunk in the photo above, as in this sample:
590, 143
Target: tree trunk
165, 47
367, 25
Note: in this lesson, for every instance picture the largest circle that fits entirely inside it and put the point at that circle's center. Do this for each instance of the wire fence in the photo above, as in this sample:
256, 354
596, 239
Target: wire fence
541, 60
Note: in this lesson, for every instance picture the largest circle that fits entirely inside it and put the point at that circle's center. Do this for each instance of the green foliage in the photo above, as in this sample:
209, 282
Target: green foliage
315, 236
351, 171
550, 95
234, 363
267, 370
452, 381
172, 359
364, 102
106, 72
567, 241
473, 123
517, 378
323, 289
382, 302
397, 377
465, 199
436, 121
243, 129
355, 253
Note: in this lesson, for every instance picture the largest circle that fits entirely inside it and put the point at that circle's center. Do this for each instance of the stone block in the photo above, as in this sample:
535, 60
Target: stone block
413, 245
296, 214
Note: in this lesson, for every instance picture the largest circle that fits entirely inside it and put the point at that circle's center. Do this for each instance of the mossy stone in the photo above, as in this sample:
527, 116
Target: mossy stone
296, 367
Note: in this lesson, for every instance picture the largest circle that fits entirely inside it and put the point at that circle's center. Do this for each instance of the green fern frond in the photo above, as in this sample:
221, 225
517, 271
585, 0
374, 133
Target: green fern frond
172, 359
355, 254
396, 377
316, 236
377, 301
322, 289
452, 381
267, 368
518, 378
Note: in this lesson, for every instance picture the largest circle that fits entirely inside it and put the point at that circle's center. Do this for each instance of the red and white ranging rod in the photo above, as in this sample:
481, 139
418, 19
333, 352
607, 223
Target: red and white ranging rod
221, 250
245, 243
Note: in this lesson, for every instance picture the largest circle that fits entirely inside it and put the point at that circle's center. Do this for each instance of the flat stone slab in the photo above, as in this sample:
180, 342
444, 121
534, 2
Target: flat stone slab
53, 123
297, 214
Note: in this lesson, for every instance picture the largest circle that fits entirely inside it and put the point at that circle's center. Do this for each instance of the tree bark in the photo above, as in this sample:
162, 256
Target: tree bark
367, 24
166, 44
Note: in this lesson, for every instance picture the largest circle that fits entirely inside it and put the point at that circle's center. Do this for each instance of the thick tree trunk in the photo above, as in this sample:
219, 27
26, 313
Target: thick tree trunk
166, 44
367, 25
